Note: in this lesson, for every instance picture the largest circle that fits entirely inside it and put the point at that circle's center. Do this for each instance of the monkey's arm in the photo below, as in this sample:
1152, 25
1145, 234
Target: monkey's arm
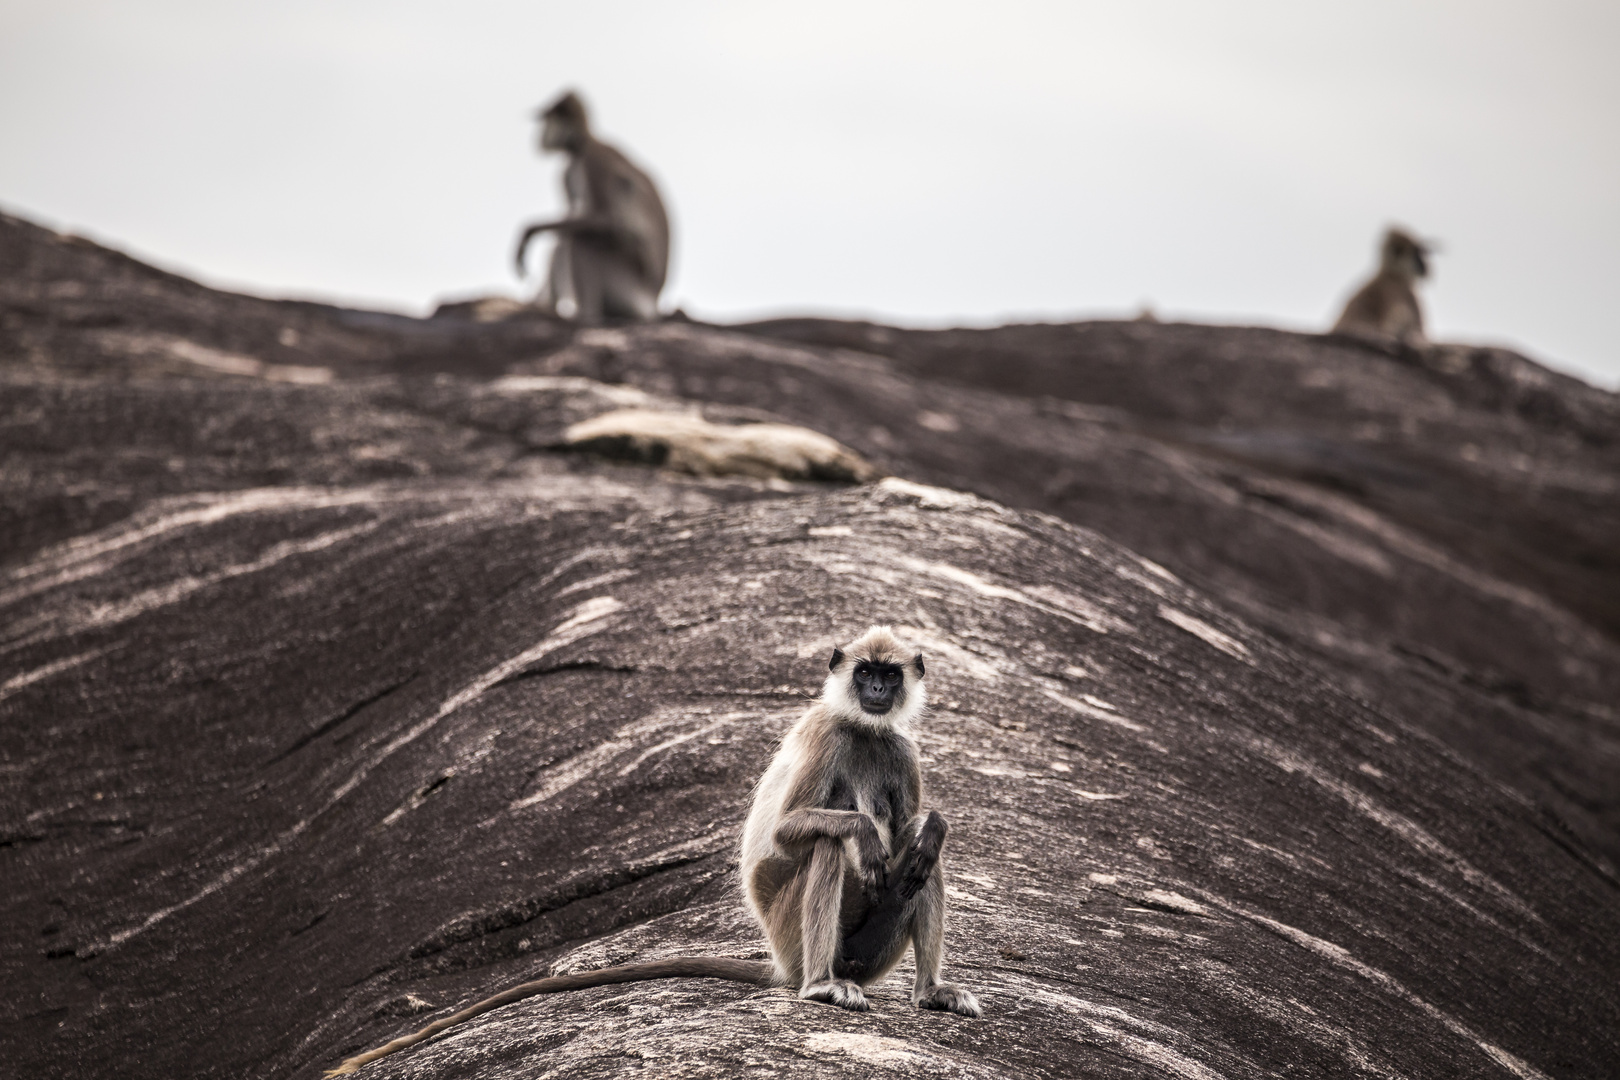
804, 826
577, 226
585, 225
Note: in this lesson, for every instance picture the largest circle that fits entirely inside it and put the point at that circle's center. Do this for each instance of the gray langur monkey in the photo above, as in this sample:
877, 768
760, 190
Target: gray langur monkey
612, 251
1388, 305
839, 865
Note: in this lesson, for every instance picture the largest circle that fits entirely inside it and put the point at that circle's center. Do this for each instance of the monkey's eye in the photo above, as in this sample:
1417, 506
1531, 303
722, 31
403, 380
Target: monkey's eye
892, 678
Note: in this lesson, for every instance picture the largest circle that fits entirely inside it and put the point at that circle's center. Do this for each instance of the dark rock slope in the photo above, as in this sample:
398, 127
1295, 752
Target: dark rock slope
1274, 682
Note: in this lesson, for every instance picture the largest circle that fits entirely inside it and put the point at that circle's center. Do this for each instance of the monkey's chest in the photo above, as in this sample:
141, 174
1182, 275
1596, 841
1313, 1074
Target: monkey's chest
577, 188
875, 775
876, 804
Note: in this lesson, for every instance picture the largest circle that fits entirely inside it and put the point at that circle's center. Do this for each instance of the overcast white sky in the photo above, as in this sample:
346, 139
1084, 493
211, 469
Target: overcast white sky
926, 163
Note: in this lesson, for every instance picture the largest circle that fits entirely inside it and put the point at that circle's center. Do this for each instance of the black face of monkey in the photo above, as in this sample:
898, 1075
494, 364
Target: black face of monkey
563, 124
877, 685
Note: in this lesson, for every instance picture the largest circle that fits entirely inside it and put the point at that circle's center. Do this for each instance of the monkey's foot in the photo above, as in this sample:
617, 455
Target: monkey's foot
948, 997
840, 992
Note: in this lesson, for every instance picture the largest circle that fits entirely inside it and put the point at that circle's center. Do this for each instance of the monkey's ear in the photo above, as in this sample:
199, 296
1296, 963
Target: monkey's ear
918, 661
837, 658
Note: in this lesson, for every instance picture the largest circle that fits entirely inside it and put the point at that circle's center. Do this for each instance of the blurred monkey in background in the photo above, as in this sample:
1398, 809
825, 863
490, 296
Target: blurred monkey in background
612, 251
1388, 304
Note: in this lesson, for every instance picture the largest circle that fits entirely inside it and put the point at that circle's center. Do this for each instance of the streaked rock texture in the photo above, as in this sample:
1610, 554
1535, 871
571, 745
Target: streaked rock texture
1273, 681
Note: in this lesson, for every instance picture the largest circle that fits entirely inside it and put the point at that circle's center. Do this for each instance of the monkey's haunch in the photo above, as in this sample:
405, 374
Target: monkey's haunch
685, 967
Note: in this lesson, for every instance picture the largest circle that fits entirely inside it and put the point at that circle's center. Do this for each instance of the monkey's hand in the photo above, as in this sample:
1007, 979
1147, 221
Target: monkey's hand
874, 857
523, 244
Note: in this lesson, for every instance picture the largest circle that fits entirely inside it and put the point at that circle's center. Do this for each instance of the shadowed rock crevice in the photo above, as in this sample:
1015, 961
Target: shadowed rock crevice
471, 927
326, 727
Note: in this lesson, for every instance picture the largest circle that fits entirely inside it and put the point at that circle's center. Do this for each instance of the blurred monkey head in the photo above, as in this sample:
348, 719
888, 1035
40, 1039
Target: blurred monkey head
1406, 255
564, 124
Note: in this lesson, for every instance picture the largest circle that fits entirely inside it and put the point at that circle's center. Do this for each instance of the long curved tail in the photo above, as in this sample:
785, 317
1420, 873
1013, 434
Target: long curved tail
753, 972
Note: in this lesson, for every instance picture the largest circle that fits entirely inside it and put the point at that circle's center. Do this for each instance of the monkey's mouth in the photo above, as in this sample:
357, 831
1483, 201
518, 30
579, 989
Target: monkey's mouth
876, 707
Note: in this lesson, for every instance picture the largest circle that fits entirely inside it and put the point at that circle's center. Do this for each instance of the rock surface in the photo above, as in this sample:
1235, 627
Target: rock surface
1273, 679
692, 445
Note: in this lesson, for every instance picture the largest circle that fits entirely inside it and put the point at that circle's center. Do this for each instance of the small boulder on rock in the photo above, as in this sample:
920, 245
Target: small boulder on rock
691, 444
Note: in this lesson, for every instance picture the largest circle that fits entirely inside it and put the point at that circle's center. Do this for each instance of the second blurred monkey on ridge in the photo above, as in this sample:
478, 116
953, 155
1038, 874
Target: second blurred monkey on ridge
1387, 306
612, 251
